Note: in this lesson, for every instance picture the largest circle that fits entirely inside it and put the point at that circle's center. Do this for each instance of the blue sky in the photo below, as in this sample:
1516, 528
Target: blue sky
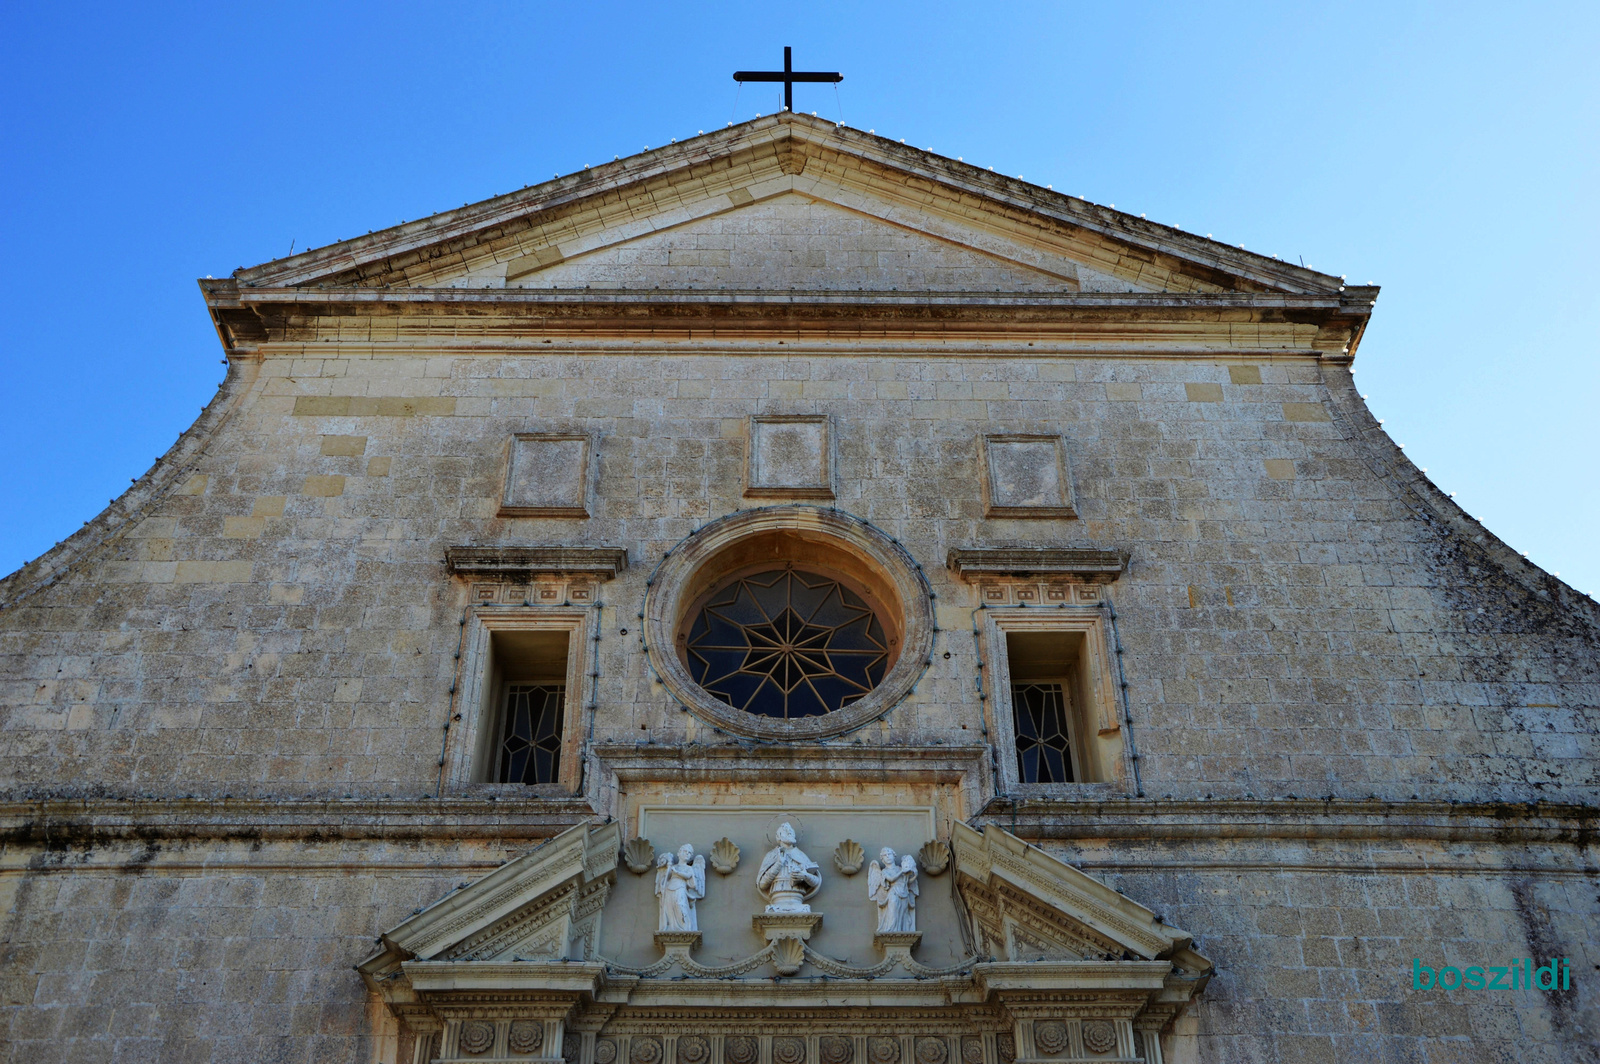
1450, 153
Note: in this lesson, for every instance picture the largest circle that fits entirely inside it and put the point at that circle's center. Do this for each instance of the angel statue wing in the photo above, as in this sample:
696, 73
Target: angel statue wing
874, 879
909, 865
663, 861
698, 891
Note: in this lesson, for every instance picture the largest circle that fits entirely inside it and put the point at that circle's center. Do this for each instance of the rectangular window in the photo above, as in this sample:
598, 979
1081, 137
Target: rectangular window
520, 699
1053, 715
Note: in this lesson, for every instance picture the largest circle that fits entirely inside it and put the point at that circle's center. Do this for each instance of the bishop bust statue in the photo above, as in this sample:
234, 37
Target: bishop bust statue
892, 885
787, 876
680, 882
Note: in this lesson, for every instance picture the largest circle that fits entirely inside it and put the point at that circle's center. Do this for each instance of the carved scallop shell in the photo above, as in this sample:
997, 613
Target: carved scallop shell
740, 1049
847, 857
934, 857
788, 1050
639, 856
787, 955
477, 1037
724, 855
1099, 1036
526, 1037
1050, 1037
835, 1049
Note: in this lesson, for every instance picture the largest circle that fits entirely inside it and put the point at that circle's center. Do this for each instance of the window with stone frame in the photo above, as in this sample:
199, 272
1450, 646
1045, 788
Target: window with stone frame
521, 698
1051, 703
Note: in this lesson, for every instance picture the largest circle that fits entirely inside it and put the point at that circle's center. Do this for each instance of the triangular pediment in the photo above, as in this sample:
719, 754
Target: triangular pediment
1028, 906
789, 202
542, 906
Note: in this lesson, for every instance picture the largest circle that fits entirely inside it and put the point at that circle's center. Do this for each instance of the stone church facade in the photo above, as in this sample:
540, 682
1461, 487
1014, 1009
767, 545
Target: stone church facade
791, 598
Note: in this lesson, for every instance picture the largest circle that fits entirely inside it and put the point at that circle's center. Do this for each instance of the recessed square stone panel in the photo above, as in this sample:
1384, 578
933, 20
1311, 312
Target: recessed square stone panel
1027, 476
547, 476
791, 457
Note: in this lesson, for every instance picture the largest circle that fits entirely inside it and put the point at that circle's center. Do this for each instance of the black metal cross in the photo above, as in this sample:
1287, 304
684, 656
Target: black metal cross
788, 75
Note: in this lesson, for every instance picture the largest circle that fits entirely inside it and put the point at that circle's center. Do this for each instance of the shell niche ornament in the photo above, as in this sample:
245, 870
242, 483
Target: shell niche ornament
787, 955
639, 855
724, 856
934, 857
847, 857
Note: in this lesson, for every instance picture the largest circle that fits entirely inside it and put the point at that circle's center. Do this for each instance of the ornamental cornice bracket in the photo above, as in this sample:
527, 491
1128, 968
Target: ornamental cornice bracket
511, 561
1090, 565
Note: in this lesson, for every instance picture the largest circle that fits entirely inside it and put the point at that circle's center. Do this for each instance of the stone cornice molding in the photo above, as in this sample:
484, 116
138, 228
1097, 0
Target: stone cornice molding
523, 562
1324, 325
1082, 563
70, 820
968, 767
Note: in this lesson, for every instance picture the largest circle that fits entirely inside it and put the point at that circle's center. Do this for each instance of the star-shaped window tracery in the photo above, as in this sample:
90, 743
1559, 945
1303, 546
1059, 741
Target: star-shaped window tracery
787, 643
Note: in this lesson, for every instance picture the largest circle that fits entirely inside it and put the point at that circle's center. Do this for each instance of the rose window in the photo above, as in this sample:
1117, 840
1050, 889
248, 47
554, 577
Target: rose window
786, 644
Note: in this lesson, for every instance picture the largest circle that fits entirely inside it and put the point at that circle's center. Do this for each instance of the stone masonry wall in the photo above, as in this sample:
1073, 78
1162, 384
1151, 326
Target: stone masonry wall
281, 622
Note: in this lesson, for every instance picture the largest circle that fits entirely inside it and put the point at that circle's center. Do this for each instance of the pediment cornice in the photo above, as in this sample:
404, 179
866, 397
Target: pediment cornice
656, 189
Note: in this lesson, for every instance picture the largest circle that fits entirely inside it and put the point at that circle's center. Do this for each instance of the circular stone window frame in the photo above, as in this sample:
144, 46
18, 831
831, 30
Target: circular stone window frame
724, 547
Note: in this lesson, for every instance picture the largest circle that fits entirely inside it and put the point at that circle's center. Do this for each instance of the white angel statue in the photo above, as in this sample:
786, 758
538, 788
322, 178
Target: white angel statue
893, 886
680, 882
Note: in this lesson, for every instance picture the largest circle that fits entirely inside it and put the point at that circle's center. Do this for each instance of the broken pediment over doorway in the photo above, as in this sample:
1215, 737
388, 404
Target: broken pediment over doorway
1050, 966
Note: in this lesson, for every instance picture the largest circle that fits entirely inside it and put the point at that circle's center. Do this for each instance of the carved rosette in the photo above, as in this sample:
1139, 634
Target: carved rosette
836, 1049
477, 1037
1051, 1037
1099, 1036
931, 1051
526, 1037
883, 1050
740, 1049
1005, 1045
972, 1050
693, 1049
787, 1050
572, 1048
605, 1051
645, 1049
